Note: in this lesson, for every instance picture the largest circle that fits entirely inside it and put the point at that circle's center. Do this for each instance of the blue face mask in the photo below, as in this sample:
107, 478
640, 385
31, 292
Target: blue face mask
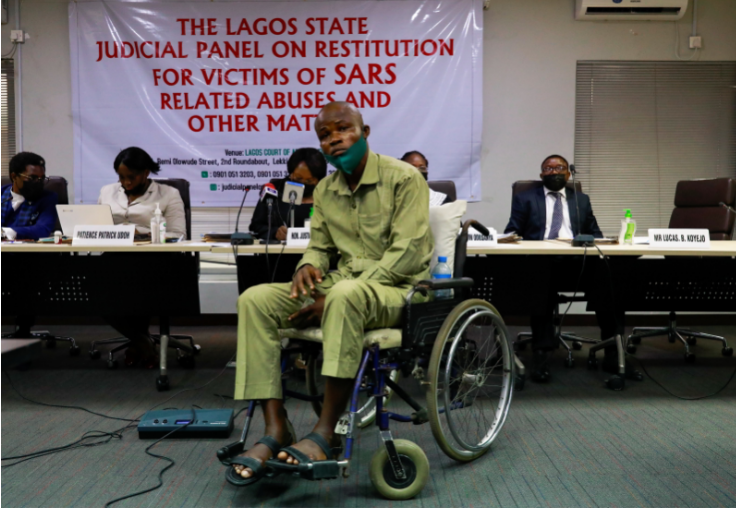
348, 161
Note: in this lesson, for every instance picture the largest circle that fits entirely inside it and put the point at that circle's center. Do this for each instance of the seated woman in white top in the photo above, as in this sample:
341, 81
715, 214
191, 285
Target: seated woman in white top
420, 162
133, 201
133, 198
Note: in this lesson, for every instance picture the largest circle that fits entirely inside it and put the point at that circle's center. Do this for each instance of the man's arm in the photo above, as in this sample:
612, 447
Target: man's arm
321, 247
44, 226
405, 256
591, 224
519, 217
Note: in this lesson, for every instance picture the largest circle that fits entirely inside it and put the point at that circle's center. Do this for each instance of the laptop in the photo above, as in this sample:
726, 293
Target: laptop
83, 215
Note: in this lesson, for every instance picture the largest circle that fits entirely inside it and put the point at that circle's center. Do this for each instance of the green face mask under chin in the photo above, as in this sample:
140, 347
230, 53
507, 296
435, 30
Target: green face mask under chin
348, 161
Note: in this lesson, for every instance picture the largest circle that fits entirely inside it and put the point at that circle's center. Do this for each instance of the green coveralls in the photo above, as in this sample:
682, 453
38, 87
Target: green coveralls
381, 231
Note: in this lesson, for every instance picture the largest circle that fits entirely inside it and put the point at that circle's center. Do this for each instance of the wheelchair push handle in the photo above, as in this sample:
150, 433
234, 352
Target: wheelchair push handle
434, 284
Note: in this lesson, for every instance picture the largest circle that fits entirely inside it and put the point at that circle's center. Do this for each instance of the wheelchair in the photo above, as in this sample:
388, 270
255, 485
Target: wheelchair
459, 351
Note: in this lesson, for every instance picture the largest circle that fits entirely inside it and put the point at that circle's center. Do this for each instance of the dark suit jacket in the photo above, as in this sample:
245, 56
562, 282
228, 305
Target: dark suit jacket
529, 215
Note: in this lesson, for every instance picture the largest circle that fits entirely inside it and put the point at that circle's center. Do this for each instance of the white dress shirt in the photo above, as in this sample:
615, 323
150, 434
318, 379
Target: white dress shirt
549, 201
436, 198
141, 210
16, 202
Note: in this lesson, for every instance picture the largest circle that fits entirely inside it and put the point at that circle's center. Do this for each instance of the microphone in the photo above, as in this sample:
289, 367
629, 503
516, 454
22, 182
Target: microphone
580, 239
268, 192
241, 238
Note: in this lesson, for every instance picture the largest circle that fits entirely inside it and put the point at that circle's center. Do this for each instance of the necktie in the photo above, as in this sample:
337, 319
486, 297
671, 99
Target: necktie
554, 229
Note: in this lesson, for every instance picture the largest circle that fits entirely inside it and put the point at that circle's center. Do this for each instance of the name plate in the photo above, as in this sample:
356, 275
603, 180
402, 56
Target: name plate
476, 239
679, 238
101, 236
297, 237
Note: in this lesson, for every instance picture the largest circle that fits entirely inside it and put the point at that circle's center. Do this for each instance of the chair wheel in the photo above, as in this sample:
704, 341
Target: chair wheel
196, 349
631, 349
94, 354
616, 383
186, 361
569, 363
689, 358
416, 467
592, 364
75, 350
691, 341
519, 383
162, 383
577, 345
112, 364
520, 346
50, 343
635, 340
727, 351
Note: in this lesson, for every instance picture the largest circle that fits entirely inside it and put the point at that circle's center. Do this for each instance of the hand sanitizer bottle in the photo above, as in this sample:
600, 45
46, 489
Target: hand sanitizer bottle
308, 222
628, 228
162, 231
155, 225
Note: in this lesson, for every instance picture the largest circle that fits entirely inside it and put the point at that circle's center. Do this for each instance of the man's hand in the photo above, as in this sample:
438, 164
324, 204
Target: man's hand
281, 233
311, 315
305, 278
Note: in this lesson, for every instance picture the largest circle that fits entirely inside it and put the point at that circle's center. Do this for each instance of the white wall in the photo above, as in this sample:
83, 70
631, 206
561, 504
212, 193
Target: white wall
530, 50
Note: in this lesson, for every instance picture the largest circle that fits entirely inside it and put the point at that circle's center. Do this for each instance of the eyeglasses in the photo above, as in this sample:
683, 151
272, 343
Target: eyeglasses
556, 169
35, 179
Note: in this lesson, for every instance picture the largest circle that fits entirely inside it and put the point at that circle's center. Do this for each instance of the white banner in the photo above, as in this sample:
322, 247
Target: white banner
221, 93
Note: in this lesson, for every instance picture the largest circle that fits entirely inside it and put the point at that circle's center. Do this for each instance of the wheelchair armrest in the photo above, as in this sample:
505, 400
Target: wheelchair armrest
463, 282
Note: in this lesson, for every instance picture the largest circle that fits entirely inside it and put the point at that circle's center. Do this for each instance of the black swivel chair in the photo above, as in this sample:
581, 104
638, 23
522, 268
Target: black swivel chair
57, 184
699, 204
184, 352
523, 338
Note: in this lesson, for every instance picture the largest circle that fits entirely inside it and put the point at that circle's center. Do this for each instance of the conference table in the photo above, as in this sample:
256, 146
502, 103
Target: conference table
135, 280
162, 280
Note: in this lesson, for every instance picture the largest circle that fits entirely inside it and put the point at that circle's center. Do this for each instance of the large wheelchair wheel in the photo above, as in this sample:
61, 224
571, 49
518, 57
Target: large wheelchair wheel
471, 377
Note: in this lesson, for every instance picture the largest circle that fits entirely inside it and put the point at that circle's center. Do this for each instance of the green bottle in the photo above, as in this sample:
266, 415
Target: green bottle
628, 228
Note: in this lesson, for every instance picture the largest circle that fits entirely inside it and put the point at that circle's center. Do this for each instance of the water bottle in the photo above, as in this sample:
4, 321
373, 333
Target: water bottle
442, 271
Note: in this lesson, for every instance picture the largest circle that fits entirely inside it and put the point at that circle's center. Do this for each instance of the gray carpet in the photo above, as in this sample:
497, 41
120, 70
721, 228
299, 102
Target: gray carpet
569, 443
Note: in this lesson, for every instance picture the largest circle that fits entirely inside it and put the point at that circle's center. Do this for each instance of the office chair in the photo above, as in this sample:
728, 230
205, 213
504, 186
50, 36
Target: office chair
445, 187
699, 204
58, 185
186, 353
565, 338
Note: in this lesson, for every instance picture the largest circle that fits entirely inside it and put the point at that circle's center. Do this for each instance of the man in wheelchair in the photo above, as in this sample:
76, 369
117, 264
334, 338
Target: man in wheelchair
374, 213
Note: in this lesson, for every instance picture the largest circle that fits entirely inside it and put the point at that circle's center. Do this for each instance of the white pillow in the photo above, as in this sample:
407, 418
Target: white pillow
445, 222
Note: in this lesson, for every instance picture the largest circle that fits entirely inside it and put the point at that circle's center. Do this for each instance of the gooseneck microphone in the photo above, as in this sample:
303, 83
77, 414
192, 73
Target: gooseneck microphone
241, 238
580, 239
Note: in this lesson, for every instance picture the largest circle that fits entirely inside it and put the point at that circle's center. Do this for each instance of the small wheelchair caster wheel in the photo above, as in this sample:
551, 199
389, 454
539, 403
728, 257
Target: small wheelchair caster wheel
616, 383
186, 361
691, 341
74, 350
569, 363
197, 348
519, 383
94, 354
162, 383
635, 340
592, 364
520, 346
689, 358
112, 364
727, 351
415, 464
631, 349
577, 345
50, 343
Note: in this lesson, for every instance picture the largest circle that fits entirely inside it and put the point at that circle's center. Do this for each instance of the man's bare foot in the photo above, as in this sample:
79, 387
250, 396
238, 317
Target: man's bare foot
311, 449
261, 452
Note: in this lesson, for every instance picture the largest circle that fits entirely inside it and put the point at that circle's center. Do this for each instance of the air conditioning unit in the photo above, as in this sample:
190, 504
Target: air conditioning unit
630, 10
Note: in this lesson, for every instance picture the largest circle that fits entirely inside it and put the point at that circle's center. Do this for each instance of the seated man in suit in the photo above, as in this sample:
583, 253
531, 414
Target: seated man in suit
29, 211
374, 212
547, 213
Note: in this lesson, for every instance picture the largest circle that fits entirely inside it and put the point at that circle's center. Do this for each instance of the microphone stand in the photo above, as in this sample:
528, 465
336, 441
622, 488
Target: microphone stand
580, 239
241, 238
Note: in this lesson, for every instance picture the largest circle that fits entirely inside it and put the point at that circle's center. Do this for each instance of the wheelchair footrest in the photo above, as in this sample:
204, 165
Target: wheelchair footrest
320, 470
229, 452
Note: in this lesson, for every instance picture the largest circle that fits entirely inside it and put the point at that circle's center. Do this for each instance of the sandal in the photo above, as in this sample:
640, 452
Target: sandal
329, 451
260, 469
